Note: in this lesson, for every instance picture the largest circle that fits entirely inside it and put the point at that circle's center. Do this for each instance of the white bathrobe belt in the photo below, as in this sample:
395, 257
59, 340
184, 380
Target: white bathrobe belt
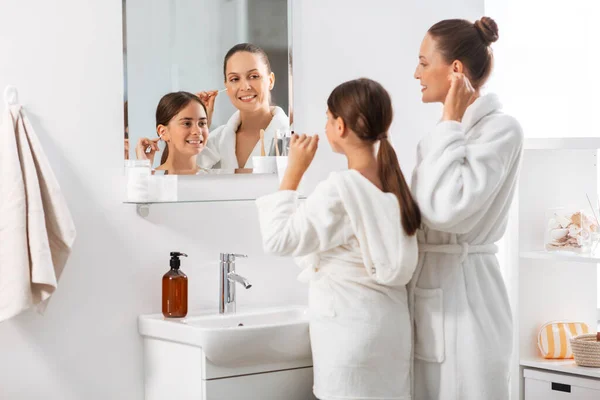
464, 249
329, 268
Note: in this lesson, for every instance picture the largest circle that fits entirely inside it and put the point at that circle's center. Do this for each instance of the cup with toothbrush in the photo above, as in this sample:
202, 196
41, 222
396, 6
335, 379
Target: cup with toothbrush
264, 164
281, 144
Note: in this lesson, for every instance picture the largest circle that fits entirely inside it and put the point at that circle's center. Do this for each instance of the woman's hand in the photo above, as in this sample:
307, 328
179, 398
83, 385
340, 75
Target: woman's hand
460, 96
146, 149
208, 98
302, 153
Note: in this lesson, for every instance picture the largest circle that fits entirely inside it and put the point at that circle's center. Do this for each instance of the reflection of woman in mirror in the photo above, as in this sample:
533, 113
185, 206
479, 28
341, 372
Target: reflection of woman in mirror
181, 121
249, 81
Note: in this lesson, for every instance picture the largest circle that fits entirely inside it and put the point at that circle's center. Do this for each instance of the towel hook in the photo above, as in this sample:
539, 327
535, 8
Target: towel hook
143, 210
11, 96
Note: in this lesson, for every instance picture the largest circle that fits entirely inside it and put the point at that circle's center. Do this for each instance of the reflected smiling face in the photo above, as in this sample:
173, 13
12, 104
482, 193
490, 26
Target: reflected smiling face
248, 81
187, 132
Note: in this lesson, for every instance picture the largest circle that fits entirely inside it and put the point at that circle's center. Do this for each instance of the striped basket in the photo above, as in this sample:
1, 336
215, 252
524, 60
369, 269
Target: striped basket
554, 338
586, 349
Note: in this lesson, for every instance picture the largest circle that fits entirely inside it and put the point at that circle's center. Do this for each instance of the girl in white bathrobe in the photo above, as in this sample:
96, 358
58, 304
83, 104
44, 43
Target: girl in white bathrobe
464, 182
355, 238
249, 81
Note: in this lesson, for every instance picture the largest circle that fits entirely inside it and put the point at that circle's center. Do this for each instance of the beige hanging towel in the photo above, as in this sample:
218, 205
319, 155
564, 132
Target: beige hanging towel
36, 228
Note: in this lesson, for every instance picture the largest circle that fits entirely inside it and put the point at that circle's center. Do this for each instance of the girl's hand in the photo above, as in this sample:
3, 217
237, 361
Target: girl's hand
302, 153
208, 98
459, 97
146, 149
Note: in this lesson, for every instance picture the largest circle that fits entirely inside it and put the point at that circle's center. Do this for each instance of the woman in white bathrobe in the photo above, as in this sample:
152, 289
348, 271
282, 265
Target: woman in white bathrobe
464, 182
355, 238
249, 81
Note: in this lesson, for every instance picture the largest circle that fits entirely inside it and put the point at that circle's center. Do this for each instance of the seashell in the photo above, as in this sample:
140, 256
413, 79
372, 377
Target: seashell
576, 219
587, 220
553, 224
574, 230
556, 234
563, 221
562, 239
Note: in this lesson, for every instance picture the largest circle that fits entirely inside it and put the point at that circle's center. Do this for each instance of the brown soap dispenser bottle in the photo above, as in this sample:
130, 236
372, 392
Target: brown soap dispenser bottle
175, 289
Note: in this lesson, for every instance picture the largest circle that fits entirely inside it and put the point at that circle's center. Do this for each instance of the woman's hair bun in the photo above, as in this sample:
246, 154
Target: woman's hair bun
488, 30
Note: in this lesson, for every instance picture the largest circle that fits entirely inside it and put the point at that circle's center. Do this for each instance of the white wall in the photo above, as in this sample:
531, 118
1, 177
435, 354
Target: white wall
65, 58
338, 40
547, 64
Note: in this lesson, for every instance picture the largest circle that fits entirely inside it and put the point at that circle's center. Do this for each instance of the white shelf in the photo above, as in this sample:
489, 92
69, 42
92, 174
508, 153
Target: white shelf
565, 366
585, 143
561, 256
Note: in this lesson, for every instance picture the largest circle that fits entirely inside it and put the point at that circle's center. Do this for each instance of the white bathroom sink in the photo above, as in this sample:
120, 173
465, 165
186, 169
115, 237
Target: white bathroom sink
248, 337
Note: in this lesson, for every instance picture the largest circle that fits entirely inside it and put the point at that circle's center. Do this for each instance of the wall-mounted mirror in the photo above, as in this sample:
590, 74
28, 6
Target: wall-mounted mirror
207, 85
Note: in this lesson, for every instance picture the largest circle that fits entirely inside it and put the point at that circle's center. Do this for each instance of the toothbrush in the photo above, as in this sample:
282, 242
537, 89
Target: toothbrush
277, 144
262, 142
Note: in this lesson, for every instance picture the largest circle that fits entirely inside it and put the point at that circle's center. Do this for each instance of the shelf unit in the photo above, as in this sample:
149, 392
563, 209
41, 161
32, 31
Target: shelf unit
564, 366
561, 256
550, 286
581, 143
216, 188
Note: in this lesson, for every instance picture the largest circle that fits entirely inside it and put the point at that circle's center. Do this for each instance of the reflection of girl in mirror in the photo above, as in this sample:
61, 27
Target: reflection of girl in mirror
249, 81
181, 121
355, 236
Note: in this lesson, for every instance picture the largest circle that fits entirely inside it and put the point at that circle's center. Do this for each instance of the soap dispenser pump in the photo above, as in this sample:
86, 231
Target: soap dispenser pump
175, 289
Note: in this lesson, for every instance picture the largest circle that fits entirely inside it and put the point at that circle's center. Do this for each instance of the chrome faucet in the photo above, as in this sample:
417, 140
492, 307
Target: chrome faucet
227, 280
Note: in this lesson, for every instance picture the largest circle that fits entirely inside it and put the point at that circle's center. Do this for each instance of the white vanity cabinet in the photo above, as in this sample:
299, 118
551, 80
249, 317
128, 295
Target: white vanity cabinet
294, 384
180, 371
551, 286
255, 354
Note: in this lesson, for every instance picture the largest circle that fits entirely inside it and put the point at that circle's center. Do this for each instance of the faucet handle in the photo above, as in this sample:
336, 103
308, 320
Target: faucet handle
230, 257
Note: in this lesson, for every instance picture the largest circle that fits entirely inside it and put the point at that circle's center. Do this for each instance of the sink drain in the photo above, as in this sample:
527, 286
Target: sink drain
240, 324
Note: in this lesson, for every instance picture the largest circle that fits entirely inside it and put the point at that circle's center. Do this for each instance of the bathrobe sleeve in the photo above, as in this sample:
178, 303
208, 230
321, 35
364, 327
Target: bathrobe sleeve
456, 179
291, 227
210, 156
